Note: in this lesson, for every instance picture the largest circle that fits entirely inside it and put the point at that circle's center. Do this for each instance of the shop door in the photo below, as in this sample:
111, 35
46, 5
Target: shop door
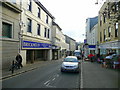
29, 56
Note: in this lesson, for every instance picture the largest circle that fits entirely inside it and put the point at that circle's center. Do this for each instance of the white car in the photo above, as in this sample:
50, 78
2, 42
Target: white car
70, 63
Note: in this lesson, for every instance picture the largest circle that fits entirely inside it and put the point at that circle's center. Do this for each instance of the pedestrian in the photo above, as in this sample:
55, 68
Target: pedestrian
19, 60
90, 57
98, 57
82, 56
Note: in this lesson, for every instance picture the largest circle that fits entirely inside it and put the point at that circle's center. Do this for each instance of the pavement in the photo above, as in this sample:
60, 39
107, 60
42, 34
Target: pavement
28, 67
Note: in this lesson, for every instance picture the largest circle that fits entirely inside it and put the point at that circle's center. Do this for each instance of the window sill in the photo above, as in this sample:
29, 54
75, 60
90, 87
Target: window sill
8, 39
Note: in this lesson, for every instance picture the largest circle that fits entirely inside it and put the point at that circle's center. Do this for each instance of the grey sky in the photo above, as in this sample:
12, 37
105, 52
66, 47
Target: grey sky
71, 15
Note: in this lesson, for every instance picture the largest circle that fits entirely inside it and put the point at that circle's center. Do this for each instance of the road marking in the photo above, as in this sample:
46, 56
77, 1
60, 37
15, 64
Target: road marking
47, 82
48, 85
81, 84
53, 79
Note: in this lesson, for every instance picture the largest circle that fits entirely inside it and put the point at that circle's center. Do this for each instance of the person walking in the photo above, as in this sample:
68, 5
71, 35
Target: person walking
19, 60
90, 56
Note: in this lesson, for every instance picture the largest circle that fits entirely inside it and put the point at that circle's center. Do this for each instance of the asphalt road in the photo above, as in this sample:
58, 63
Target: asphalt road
46, 76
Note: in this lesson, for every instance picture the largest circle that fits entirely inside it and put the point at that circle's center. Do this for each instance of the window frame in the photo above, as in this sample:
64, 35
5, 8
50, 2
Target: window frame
45, 32
30, 31
47, 19
29, 5
48, 34
116, 29
39, 12
38, 29
109, 31
12, 31
104, 35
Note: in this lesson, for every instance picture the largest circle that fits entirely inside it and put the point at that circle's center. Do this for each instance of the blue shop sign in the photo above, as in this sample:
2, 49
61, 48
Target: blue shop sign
30, 44
92, 46
85, 41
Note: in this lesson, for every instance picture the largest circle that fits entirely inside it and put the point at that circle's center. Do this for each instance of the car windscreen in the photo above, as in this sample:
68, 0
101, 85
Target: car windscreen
76, 53
70, 60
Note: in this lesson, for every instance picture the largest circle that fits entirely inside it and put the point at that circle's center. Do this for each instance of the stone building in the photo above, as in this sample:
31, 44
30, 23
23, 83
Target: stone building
72, 45
59, 46
109, 28
9, 37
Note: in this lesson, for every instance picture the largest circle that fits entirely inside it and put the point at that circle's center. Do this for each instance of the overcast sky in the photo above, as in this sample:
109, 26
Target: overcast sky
71, 15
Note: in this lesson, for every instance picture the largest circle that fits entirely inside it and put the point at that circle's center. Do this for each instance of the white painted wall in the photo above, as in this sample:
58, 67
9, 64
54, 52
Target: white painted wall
35, 20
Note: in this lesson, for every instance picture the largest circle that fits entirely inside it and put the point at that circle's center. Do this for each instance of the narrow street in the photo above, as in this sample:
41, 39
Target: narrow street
47, 76
92, 75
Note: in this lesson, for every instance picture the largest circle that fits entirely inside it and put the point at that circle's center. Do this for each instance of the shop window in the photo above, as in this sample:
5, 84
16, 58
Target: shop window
6, 30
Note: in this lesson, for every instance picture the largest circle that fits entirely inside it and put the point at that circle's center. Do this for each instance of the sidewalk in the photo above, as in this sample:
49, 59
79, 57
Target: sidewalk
28, 67
95, 76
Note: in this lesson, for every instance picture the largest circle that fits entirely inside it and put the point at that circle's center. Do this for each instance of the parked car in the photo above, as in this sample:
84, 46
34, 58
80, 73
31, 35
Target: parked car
110, 60
86, 59
78, 54
70, 63
116, 61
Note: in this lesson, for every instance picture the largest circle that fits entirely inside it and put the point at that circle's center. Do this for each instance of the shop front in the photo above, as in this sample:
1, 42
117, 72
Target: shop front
92, 49
35, 51
110, 47
55, 52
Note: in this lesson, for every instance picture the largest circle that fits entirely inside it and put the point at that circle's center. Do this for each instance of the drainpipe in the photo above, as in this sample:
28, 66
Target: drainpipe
21, 24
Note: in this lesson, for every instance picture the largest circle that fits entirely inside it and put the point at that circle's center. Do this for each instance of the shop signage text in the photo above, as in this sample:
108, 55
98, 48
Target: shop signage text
30, 44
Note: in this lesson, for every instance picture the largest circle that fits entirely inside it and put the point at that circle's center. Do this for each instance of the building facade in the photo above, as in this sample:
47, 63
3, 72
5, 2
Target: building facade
56, 38
64, 46
109, 28
93, 43
90, 23
36, 24
91, 35
72, 45
10, 27
59, 46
